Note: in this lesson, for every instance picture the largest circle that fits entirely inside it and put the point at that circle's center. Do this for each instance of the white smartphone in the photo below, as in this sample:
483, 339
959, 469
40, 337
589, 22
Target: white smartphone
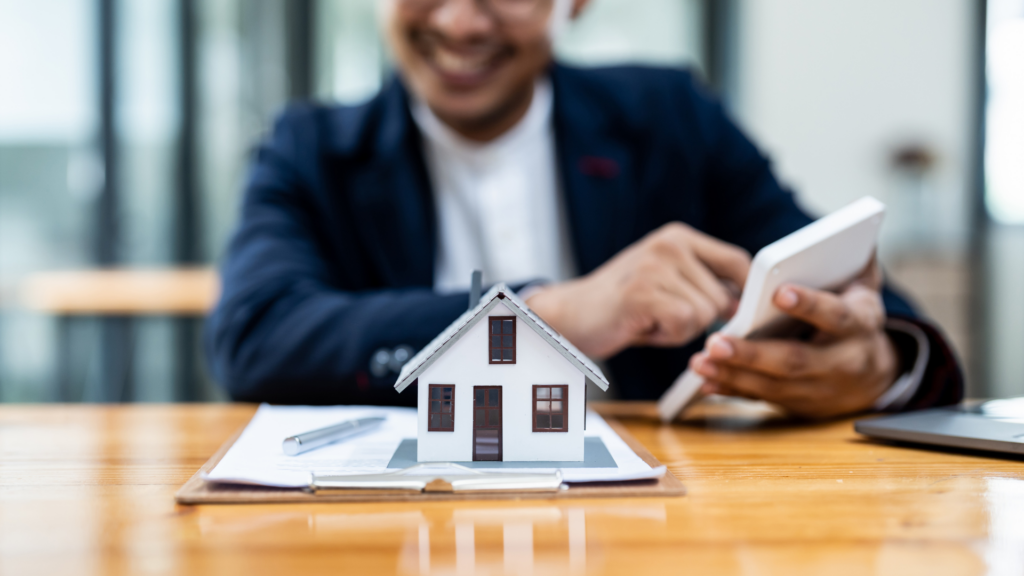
825, 255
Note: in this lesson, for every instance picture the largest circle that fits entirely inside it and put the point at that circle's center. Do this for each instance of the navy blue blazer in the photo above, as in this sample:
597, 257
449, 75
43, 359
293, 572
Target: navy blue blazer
334, 255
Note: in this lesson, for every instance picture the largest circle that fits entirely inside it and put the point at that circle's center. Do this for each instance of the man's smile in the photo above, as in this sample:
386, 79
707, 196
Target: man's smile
463, 66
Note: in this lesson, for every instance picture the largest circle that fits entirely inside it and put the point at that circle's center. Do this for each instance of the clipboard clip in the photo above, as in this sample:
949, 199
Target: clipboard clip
413, 479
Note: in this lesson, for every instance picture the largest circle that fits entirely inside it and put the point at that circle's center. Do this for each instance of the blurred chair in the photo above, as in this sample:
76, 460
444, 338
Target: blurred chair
116, 298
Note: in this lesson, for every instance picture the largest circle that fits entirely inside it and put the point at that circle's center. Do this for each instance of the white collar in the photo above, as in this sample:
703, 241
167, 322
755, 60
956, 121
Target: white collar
531, 126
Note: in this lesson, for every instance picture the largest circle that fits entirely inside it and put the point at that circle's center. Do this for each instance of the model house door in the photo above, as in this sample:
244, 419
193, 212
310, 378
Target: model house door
487, 423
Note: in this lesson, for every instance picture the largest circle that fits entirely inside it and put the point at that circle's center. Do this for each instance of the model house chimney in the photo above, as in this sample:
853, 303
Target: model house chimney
474, 289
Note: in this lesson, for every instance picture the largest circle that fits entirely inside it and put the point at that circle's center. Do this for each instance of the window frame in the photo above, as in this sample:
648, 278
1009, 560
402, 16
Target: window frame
440, 414
491, 349
564, 412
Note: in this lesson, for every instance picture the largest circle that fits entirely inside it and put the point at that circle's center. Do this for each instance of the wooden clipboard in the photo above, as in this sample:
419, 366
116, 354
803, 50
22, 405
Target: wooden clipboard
199, 491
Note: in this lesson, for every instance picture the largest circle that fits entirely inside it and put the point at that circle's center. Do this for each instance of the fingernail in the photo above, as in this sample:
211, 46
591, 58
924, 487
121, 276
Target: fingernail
709, 388
719, 347
788, 298
707, 368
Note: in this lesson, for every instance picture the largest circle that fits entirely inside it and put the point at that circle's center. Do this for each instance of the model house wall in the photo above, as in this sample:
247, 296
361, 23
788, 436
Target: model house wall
466, 364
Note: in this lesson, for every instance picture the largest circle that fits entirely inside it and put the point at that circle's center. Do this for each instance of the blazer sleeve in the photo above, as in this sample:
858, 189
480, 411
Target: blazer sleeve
284, 330
746, 206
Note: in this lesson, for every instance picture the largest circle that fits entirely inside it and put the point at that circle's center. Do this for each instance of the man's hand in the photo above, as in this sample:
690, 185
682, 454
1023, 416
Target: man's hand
664, 290
848, 364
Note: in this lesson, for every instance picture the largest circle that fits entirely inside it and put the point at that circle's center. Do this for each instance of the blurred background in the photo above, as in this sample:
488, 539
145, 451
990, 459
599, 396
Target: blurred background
126, 125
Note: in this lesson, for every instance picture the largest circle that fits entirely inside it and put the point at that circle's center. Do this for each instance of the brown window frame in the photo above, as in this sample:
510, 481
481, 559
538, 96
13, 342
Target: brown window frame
491, 349
564, 412
440, 405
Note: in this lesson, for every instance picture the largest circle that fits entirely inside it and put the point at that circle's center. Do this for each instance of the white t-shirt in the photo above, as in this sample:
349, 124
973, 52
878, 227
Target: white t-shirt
498, 203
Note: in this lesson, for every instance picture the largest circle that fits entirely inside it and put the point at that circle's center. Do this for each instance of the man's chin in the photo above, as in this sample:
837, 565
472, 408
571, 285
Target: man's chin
465, 110
482, 110
465, 118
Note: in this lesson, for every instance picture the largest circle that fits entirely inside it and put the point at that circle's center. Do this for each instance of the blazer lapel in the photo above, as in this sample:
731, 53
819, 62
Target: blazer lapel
393, 202
596, 169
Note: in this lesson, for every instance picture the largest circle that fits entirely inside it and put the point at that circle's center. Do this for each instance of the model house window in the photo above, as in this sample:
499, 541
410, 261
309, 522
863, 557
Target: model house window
441, 413
502, 346
550, 408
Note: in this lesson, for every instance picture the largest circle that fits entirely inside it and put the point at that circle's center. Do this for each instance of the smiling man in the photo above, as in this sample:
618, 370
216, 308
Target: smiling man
622, 203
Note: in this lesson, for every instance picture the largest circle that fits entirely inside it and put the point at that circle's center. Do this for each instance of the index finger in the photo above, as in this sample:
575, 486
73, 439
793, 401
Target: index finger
725, 260
825, 311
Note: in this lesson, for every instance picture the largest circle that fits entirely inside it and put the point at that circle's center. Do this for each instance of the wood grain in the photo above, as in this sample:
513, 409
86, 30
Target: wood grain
90, 490
183, 292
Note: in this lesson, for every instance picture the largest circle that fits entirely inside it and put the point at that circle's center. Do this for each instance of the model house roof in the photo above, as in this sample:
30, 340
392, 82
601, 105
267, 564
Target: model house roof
498, 294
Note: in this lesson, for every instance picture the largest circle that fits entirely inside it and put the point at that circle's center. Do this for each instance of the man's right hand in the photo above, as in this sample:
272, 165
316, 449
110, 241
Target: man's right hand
664, 290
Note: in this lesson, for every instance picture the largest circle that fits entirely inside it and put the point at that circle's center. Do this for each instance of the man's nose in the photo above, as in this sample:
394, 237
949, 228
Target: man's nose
462, 19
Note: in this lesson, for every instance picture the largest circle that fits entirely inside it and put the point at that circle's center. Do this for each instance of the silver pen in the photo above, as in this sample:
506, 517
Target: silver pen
309, 440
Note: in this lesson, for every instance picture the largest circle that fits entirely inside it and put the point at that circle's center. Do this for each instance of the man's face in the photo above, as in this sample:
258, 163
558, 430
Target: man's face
472, 61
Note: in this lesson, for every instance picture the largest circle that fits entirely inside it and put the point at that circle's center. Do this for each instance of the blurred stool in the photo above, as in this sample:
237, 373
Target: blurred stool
117, 297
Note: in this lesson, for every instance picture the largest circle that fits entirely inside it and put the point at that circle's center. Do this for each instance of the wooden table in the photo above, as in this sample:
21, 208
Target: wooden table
117, 298
123, 292
89, 489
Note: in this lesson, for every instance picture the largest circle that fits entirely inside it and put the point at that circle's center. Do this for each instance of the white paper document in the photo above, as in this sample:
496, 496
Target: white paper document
257, 457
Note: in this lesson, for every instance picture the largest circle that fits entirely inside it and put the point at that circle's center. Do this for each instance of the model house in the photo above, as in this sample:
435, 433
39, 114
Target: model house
500, 384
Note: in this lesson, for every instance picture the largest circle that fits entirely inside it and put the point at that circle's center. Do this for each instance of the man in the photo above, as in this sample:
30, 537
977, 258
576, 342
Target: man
621, 203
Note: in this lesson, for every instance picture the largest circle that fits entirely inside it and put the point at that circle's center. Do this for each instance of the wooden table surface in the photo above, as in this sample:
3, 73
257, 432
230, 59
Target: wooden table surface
123, 292
88, 489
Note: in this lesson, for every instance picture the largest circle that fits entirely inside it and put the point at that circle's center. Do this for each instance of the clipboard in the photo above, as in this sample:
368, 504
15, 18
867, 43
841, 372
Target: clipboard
198, 491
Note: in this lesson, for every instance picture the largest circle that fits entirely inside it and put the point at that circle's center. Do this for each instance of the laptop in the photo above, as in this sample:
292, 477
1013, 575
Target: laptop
993, 425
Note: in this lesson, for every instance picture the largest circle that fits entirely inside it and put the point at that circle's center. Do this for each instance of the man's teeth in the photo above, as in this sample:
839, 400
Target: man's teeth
459, 64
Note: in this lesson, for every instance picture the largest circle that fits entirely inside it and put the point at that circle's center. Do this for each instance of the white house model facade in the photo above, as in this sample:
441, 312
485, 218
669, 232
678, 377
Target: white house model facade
500, 384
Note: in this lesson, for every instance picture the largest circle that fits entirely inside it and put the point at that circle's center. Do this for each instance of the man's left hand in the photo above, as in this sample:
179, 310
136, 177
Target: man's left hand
848, 364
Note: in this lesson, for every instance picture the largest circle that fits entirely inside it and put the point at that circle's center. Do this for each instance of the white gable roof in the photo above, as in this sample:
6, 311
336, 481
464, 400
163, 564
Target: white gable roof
439, 345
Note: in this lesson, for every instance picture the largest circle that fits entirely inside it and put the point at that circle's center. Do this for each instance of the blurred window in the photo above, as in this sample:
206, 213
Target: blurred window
50, 172
1004, 131
662, 32
147, 127
350, 52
